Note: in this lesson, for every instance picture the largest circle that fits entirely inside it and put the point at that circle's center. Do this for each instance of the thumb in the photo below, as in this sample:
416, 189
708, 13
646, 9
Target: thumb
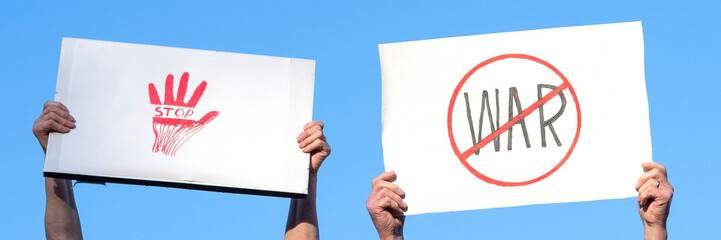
208, 117
647, 166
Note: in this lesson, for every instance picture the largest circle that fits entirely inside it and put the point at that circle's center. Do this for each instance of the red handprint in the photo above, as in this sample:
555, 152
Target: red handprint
170, 125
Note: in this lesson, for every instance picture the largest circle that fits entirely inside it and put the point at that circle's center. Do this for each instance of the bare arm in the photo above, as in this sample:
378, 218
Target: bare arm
61, 214
654, 200
302, 216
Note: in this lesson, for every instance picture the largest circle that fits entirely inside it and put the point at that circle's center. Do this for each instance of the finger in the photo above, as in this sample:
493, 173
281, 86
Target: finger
647, 196
153, 93
313, 123
387, 193
654, 165
308, 133
317, 145
380, 185
69, 119
169, 90
389, 204
303, 135
55, 117
54, 104
182, 88
208, 117
389, 176
58, 108
315, 136
51, 125
653, 173
197, 94
310, 128
652, 182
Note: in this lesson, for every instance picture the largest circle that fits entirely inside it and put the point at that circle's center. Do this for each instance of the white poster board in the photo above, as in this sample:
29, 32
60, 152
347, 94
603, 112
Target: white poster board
519, 118
182, 118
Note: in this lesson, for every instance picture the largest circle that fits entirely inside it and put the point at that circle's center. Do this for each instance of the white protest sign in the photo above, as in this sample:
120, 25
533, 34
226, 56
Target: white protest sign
509, 119
182, 118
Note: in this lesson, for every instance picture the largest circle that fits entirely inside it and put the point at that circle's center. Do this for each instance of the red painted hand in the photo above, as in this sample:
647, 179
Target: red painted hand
170, 123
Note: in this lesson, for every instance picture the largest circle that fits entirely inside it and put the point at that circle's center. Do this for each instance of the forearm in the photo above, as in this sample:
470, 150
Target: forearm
61, 214
302, 216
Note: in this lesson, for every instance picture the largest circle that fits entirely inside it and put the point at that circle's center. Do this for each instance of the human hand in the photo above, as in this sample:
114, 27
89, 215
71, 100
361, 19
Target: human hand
170, 125
385, 205
312, 140
55, 118
654, 200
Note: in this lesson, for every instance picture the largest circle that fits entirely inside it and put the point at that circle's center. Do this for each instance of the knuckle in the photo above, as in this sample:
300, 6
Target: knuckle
654, 173
46, 110
45, 124
375, 181
317, 135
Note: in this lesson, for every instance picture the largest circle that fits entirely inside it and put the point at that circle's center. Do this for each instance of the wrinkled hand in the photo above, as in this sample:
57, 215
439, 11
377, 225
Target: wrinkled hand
312, 140
386, 206
55, 118
654, 200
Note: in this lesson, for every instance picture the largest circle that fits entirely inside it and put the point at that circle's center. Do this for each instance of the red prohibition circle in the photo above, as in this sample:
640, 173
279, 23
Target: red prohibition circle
464, 156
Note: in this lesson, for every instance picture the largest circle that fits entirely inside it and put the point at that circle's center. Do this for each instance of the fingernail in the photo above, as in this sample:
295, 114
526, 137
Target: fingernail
644, 165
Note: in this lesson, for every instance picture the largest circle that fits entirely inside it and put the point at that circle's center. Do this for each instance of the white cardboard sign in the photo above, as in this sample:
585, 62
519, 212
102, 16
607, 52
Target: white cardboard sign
519, 118
182, 118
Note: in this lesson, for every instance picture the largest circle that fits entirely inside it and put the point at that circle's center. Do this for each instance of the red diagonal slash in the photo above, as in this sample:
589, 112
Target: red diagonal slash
463, 157
513, 121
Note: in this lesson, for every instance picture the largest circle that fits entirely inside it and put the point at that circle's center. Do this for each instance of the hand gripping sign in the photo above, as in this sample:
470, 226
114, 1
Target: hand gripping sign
512, 133
172, 124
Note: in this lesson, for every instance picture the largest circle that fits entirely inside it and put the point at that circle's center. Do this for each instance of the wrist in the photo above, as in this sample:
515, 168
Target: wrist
395, 234
655, 233
391, 237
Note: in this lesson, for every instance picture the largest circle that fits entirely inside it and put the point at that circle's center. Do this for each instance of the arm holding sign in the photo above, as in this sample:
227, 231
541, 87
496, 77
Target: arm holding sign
61, 214
385, 205
654, 200
302, 217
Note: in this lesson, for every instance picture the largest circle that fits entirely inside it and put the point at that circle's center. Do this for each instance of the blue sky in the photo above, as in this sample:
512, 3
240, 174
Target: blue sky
682, 78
